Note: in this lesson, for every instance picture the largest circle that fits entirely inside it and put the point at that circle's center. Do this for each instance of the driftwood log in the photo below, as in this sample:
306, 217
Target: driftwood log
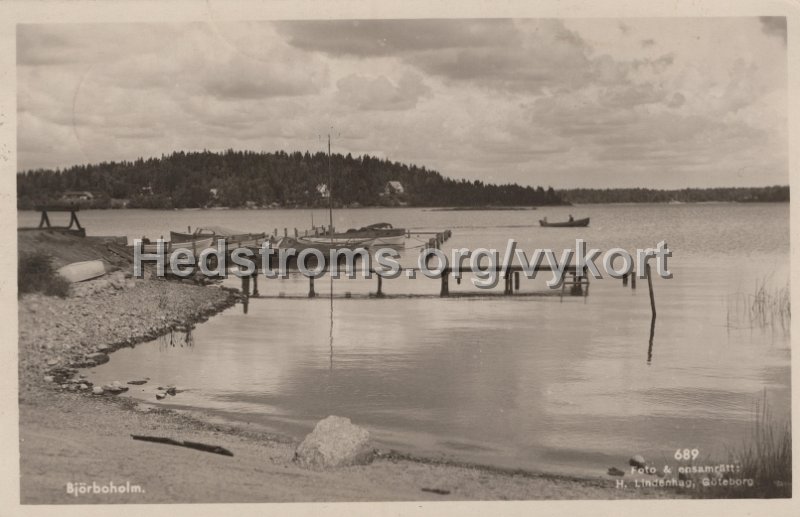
216, 449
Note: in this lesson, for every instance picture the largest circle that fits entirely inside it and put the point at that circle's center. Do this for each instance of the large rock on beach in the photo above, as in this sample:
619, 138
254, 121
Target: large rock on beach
335, 442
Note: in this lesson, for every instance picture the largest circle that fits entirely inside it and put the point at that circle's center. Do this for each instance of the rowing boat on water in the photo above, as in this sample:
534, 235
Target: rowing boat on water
573, 223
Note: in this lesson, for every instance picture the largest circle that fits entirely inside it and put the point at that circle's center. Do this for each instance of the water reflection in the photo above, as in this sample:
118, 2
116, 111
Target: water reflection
179, 337
330, 335
513, 381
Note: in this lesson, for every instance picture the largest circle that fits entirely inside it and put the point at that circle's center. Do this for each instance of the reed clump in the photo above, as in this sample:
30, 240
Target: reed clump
36, 274
766, 307
765, 458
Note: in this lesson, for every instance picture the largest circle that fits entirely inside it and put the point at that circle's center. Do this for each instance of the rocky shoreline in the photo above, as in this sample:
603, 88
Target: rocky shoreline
58, 404
59, 335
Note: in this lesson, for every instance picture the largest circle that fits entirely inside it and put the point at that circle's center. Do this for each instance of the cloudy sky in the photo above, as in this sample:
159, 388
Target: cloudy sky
666, 103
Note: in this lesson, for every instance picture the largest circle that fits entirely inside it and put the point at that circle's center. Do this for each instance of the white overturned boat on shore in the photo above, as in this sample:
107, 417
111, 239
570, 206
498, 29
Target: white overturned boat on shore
82, 271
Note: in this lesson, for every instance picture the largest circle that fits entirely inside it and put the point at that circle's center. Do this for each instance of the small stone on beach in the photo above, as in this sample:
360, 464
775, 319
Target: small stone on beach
637, 461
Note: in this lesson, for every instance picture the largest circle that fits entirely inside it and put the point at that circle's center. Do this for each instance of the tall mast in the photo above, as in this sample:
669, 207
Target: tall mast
330, 190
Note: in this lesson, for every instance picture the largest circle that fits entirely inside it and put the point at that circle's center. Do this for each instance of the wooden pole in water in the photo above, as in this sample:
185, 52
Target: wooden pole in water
445, 290
653, 310
380, 286
311, 293
255, 284
516, 280
650, 287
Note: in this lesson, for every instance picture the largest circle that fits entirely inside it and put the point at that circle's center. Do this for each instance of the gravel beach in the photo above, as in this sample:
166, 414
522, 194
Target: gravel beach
73, 436
103, 315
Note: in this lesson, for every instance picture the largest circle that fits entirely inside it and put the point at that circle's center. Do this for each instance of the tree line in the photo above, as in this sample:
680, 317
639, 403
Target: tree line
773, 194
245, 178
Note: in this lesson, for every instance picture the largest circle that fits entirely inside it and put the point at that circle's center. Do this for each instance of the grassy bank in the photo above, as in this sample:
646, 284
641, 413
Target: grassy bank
765, 458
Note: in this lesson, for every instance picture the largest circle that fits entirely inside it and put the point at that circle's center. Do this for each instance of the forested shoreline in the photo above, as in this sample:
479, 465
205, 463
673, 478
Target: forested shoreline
773, 194
242, 178
248, 179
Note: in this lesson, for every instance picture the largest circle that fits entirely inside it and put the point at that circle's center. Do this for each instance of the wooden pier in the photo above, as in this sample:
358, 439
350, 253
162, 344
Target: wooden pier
511, 277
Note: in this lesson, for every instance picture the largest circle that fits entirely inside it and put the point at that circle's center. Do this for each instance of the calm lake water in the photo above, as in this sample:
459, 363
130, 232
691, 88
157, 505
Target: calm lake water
540, 383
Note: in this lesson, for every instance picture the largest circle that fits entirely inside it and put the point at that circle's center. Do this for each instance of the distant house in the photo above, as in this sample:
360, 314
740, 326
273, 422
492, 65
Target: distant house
393, 187
322, 188
147, 191
77, 195
214, 192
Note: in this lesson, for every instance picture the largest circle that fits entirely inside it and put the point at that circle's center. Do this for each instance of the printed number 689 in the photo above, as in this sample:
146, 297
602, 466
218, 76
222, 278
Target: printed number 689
687, 454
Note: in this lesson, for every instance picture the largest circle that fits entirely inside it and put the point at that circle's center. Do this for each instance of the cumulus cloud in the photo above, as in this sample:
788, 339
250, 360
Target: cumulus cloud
507, 54
668, 103
379, 93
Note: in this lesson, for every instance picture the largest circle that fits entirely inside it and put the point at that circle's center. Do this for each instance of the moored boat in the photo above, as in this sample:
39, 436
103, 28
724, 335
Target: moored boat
565, 224
233, 239
320, 244
323, 244
196, 246
381, 234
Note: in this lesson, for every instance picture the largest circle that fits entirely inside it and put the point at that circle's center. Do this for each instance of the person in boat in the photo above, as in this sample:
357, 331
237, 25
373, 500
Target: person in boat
571, 219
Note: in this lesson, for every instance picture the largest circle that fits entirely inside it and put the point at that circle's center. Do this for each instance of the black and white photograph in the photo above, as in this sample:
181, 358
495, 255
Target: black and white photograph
347, 259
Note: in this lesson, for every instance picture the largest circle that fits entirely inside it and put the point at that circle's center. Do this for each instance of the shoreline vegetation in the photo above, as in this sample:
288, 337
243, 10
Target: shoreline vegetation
246, 179
71, 433
251, 179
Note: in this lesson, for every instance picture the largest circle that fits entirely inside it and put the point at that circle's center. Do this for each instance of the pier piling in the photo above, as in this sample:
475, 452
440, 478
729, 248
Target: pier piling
246, 285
